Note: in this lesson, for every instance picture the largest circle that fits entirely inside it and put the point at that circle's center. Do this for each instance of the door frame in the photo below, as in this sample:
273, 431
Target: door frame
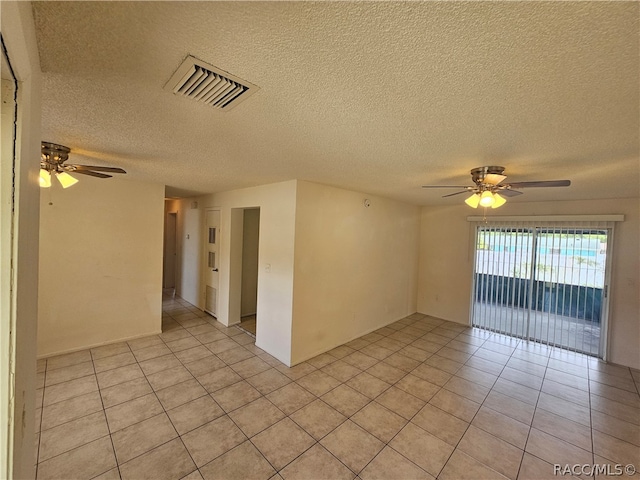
203, 258
175, 256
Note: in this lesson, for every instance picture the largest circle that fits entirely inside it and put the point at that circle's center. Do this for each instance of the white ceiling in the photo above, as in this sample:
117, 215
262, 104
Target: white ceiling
377, 97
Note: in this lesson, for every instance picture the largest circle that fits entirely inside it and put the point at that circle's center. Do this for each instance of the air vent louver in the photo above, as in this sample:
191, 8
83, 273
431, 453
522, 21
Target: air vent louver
209, 85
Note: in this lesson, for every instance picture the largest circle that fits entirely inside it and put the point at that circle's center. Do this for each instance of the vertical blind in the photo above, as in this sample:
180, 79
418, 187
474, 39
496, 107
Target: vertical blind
543, 280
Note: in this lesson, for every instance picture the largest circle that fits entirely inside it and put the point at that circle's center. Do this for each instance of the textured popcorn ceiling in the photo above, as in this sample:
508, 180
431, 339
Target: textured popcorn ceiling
376, 97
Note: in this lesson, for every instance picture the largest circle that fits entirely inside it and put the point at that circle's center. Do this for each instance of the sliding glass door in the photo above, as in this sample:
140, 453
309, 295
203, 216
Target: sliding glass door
546, 284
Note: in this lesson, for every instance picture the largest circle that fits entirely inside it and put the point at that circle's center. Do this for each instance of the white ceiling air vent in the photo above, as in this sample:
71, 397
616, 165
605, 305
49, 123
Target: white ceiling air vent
209, 85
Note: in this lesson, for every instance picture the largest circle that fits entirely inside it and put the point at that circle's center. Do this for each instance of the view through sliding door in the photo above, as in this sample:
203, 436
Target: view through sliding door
546, 284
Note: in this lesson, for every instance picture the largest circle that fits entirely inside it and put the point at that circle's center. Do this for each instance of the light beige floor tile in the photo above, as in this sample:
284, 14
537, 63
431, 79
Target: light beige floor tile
522, 378
153, 351
240, 463
296, 372
360, 360
195, 475
418, 387
68, 359
282, 442
527, 367
432, 374
368, 385
90, 459
623, 383
256, 416
119, 375
554, 450
610, 407
390, 464
533, 468
563, 408
236, 395
67, 390
400, 402
72, 434
453, 354
67, 410
205, 365
170, 377
563, 428
64, 374
379, 421
318, 464
318, 418
517, 391
401, 362
183, 344
352, 445
615, 449
133, 411
321, 360
422, 448
235, 355
615, 427
341, 370
318, 382
250, 367
456, 405
492, 451
485, 365
464, 467
415, 353
376, 351
567, 379
141, 437
565, 392
521, 411
441, 424
114, 361
616, 394
173, 332
159, 364
41, 365
180, 393
194, 414
212, 440
345, 399
113, 474
193, 354
166, 462
124, 392
219, 346
386, 373
502, 426
268, 381
109, 350
467, 389
290, 398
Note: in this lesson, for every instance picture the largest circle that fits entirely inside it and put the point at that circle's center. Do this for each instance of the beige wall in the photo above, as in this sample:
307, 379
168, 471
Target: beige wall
100, 263
19, 37
446, 265
277, 204
356, 268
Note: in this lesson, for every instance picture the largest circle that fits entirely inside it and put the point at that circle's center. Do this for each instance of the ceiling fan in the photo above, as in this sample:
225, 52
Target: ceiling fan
52, 162
489, 191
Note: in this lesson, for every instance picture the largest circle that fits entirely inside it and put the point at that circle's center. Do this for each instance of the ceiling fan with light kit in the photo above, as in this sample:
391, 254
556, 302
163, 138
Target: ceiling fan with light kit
52, 163
489, 191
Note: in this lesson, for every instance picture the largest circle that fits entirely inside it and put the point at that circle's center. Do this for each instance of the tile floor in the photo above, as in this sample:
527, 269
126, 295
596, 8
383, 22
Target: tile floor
420, 398
248, 324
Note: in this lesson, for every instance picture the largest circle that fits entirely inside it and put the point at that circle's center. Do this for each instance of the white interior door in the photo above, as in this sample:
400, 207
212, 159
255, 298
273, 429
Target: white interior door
211, 260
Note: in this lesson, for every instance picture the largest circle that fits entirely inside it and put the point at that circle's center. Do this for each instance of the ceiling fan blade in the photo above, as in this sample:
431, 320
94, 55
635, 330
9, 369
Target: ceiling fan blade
446, 186
493, 178
457, 193
509, 193
93, 174
98, 169
544, 183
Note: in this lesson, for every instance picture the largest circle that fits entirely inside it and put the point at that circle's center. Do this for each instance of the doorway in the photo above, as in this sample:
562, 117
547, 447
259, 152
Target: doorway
546, 284
170, 251
211, 260
249, 281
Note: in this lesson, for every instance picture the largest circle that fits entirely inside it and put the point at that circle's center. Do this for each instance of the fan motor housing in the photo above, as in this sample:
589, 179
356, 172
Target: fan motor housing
478, 174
